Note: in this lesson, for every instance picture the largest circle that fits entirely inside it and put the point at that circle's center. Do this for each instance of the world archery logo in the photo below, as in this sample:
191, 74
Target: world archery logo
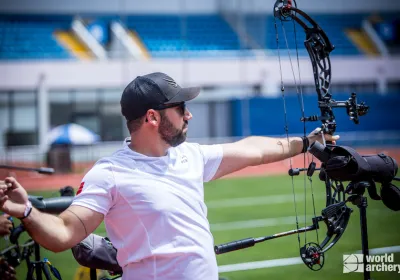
353, 263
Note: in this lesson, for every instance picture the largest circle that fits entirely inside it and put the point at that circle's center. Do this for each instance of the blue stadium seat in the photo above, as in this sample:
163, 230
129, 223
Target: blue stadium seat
207, 33
31, 36
165, 33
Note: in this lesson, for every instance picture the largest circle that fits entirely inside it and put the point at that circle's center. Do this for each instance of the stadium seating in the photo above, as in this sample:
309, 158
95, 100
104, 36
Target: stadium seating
164, 35
31, 37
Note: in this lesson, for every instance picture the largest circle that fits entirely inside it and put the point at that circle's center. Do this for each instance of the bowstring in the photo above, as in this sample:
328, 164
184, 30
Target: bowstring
286, 127
304, 132
300, 100
299, 92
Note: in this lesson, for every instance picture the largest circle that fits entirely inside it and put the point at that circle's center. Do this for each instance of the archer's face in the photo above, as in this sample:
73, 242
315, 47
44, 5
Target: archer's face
174, 125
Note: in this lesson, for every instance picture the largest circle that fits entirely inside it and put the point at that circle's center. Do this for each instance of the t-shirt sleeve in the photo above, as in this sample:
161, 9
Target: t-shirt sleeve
212, 157
97, 189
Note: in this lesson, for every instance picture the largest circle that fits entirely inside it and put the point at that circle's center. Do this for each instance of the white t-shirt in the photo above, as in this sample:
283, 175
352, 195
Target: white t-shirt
154, 210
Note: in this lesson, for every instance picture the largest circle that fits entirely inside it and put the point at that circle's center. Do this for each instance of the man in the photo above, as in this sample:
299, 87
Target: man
150, 192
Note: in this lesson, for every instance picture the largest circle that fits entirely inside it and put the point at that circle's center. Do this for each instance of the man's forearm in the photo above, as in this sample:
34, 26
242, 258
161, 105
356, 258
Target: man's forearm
276, 149
47, 230
256, 150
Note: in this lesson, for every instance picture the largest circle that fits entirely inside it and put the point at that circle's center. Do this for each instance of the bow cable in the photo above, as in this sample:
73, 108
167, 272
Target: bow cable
286, 127
299, 92
301, 101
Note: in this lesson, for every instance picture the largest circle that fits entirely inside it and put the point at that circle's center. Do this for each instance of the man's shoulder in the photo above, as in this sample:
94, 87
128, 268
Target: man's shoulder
198, 148
187, 147
111, 161
101, 166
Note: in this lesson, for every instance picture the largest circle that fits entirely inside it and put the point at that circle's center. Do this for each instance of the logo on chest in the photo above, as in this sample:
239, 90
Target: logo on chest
184, 159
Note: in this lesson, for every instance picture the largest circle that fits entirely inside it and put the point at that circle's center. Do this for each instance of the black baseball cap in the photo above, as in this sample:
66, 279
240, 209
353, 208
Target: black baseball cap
152, 91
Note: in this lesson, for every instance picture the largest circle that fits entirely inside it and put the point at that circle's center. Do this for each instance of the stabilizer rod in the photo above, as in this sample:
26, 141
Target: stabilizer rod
250, 242
41, 170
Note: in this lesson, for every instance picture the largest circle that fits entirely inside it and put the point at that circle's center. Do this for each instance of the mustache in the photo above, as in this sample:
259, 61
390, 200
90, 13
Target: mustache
185, 125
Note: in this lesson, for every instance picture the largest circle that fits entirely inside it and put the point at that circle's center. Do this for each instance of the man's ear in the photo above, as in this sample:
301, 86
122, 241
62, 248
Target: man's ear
152, 117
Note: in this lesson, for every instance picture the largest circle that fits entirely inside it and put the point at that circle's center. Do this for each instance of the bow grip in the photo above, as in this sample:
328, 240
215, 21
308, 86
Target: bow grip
234, 245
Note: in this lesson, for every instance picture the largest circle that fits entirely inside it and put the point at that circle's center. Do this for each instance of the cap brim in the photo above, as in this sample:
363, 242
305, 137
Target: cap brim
185, 94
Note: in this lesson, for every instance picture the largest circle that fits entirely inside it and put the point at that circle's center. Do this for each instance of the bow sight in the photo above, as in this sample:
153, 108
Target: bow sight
327, 117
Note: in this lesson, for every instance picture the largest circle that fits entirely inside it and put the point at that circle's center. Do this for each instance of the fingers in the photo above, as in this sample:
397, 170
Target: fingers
316, 131
332, 138
5, 215
4, 186
5, 225
2, 202
8, 223
4, 220
328, 137
8, 273
3, 199
14, 183
5, 231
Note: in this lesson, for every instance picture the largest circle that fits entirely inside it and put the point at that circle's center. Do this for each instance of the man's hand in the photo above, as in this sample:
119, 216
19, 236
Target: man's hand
317, 135
5, 225
7, 272
13, 197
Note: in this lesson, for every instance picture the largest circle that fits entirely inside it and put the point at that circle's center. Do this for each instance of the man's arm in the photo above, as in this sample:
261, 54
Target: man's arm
55, 233
59, 233
256, 150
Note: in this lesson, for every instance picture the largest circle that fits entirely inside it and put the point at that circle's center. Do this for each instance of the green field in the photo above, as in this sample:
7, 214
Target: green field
254, 207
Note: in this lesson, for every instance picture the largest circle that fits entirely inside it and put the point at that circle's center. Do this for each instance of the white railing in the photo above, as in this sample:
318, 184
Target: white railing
88, 39
373, 35
125, 40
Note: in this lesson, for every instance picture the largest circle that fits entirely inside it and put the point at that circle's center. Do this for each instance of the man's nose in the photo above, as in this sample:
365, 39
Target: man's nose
187, 115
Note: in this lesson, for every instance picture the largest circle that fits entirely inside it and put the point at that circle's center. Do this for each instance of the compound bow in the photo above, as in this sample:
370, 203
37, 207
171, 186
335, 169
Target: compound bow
336, 213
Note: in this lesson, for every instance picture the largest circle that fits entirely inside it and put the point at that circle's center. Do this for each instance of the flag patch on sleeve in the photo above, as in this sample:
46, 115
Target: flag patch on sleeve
80, 188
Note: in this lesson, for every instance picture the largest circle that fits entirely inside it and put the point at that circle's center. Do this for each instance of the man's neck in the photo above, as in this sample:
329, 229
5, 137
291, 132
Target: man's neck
147, 147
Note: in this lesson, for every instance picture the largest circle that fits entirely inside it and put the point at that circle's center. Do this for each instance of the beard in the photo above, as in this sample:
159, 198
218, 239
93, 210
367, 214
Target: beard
169, 133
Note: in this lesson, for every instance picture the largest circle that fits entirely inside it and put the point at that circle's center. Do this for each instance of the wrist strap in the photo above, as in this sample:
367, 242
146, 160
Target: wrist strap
306, 143
28, 210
